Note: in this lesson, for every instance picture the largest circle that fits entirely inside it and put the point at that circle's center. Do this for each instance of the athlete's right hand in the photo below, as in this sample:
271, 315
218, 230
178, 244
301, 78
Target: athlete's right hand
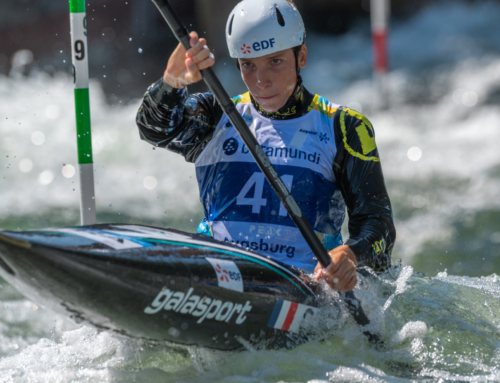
183, 67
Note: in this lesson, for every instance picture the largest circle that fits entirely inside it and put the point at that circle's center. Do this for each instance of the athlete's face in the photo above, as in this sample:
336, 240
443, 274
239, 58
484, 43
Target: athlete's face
271, 79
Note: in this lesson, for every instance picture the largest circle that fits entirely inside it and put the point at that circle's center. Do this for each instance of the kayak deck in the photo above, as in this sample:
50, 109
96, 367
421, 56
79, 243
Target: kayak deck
160, 284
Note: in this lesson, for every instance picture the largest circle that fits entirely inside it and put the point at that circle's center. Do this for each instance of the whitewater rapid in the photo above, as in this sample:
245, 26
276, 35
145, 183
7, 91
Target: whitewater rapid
435, 329
438, 144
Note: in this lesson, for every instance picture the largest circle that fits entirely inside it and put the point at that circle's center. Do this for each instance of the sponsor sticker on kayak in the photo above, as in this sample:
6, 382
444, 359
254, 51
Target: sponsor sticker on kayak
228, 274
197, 306
287, 315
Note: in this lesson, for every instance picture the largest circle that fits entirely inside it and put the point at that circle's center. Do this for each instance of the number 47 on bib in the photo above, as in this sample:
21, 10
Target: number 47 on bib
257, 201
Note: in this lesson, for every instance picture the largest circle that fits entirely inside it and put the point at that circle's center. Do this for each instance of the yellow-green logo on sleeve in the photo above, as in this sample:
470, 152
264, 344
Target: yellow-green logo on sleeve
365, 134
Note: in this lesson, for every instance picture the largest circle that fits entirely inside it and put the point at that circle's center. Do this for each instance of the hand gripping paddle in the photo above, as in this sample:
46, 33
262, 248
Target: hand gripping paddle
213, 83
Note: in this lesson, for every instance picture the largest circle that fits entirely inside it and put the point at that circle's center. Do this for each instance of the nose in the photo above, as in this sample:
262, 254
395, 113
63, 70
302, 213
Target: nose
263, 81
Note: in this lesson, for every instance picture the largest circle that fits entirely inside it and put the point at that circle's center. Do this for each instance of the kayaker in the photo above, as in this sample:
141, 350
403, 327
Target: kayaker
325, 153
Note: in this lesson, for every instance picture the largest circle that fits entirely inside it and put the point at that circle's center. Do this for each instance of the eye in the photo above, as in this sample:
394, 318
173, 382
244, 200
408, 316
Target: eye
276, 61
246, 64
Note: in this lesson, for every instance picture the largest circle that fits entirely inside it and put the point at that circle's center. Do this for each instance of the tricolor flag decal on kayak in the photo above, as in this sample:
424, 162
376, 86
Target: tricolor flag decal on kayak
228, 274
287, 315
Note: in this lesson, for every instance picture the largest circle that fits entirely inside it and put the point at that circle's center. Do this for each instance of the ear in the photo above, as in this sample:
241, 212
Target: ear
303, 56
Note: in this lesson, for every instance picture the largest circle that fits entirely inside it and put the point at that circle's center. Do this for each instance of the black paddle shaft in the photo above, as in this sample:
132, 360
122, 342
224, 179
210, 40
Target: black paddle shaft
272, 176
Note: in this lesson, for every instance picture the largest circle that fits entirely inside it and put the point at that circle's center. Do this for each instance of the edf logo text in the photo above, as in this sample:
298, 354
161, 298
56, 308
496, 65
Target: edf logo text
263, 44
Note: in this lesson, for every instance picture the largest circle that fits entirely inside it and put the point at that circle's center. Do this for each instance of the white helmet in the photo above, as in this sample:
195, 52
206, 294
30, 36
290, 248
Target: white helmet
257, 28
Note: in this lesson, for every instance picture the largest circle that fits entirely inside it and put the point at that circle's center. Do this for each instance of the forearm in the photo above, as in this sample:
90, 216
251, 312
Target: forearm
371, 227
161, 116
372, 240
169, 118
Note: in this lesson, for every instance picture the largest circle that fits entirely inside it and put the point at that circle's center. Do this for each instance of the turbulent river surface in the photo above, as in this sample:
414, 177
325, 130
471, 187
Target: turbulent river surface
439, 313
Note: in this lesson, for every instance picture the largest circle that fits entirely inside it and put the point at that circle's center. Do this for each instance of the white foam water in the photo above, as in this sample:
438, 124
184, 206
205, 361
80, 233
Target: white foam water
435, 329
38, 143
438, 145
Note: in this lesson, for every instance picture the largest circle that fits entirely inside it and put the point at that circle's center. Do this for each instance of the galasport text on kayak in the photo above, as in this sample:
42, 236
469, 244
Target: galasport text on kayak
203, 307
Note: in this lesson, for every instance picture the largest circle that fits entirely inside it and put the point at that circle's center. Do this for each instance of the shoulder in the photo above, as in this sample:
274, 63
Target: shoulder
321, 105
355, 133
242, 99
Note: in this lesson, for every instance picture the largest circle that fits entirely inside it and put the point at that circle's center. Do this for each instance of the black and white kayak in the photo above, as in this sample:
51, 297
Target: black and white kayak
160, 284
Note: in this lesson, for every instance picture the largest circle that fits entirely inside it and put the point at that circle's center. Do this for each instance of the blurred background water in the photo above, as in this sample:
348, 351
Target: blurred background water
438, 143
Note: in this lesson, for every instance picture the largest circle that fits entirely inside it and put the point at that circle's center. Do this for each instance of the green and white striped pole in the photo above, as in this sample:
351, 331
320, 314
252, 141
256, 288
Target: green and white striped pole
82, 108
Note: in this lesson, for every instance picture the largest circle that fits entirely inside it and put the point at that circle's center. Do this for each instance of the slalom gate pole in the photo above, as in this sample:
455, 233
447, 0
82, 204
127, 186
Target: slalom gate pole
79, 55
272, 176
379, 14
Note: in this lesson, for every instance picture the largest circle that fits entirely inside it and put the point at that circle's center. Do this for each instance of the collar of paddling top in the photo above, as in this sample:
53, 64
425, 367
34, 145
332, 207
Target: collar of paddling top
296, 106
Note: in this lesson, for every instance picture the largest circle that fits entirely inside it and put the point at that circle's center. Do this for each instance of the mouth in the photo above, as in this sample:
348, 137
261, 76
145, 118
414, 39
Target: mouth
265, 97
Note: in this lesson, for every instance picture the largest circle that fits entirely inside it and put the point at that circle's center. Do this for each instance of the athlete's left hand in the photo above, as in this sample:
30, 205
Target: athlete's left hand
341, 272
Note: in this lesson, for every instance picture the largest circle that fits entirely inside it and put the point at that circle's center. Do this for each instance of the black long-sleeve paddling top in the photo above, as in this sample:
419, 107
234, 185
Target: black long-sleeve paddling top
170, 118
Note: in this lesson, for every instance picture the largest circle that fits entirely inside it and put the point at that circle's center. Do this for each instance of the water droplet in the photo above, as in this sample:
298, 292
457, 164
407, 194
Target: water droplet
38, 138
140, 50
130, 39
68, 171
414, 153
110, 205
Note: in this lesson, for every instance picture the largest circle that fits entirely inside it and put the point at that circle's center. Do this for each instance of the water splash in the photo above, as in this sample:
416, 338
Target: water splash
436, 329
400, 284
